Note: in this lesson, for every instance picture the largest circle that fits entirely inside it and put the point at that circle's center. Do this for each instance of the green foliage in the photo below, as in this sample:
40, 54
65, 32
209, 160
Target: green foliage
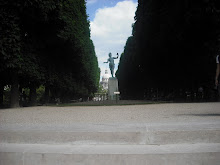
6, 95
47, 42
172, 46
10, 42
101, 90
40, 93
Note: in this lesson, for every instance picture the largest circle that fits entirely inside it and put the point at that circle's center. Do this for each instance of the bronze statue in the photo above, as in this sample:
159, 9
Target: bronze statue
111, 63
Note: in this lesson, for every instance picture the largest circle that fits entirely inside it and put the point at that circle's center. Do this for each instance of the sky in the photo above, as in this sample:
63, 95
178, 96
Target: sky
111, 24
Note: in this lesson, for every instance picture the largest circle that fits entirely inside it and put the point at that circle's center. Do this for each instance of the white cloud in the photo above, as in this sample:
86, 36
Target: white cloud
110, 29
89, 2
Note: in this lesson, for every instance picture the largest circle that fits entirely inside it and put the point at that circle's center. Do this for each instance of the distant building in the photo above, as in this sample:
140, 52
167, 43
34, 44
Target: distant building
104, 82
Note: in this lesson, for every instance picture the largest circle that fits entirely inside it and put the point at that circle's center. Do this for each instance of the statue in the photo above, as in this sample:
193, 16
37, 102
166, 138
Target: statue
111, 63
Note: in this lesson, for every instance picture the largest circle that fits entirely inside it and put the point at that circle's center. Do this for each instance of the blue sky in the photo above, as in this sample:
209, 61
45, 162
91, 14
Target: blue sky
111, 24
93, 5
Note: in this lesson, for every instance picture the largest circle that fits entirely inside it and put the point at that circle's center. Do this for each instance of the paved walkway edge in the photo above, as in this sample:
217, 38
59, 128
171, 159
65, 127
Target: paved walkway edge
110, 149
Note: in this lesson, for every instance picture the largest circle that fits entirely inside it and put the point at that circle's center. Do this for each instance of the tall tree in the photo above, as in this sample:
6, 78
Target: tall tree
47, 42
173, 46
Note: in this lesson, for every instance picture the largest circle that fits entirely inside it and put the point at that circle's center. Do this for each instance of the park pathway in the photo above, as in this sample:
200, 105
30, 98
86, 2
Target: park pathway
152, 134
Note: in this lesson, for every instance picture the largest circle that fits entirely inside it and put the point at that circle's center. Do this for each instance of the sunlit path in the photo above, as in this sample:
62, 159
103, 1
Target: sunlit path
130, 134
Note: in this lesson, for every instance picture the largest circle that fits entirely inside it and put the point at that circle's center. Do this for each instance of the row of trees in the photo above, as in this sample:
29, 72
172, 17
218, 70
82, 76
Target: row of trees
172, 47
46, 43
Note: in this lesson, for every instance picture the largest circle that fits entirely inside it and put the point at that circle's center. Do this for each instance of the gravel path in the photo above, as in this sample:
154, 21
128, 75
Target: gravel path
150, 113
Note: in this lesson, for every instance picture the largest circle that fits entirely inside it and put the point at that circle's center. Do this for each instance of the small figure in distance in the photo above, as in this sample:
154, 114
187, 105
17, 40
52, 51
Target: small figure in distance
111, 63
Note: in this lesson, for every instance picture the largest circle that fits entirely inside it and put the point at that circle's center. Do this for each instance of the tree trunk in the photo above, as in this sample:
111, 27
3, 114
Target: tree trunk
33, 95
14, 91
46, 94
1, 95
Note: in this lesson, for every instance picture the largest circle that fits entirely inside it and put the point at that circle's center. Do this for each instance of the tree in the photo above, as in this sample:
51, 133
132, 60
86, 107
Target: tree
172, 45
10, 44
48, 43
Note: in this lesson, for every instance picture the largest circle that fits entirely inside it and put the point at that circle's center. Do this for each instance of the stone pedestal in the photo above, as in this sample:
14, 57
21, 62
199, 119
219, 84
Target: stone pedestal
112, 87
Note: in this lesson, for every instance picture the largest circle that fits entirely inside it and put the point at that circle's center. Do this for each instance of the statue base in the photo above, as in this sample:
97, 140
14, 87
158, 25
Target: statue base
112, 87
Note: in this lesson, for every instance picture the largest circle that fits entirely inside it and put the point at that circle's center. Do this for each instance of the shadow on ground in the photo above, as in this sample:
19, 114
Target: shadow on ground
202, 115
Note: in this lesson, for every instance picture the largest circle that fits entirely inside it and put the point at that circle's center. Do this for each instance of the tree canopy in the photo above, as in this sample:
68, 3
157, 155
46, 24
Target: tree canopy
173, 46
47, 42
